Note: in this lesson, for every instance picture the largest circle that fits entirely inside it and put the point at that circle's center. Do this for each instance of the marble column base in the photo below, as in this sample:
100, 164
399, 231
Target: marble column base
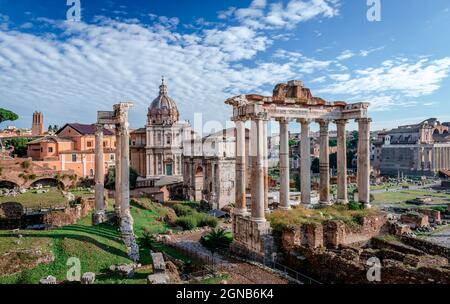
284, 208
342, 201
258, 219
99, 217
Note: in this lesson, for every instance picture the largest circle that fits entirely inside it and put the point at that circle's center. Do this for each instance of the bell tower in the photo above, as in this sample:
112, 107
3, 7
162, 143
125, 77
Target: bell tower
37, 127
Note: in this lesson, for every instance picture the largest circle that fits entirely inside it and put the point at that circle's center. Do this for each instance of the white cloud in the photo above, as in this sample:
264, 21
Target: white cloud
408, 78
347, 54
259, 15
96, 65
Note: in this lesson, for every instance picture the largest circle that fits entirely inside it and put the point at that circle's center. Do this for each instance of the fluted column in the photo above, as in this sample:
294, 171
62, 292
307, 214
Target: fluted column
305, 165
324, 164
342, 195
266, 168
284, 164
117, 188
253, 169
241, 205
364, 161
99, 213
126, 220
258, 200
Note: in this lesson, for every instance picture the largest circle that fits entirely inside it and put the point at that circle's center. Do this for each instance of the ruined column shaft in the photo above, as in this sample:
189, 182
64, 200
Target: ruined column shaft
305, 165
241, 205
124, 169
324, 163
117, 195
253, 152
258, 212
266, 167
342, 195
99, 213
126, 220
364, 161
284, 164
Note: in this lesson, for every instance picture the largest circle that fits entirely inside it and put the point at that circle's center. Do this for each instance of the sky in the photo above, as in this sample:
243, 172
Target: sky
211, 50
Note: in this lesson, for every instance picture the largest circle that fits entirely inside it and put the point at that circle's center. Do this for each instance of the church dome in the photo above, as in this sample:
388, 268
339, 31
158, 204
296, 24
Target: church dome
163, 109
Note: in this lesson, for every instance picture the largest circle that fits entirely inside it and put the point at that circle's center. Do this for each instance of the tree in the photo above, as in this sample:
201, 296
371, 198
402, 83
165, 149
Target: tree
19, 144
6, 115
216, 239
110, 180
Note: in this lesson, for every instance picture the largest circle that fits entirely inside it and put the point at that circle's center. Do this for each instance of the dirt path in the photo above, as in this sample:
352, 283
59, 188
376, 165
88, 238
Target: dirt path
239, 272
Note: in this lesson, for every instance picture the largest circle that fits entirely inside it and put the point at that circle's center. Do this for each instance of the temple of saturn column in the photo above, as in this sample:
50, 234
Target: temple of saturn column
292, 102
119, 118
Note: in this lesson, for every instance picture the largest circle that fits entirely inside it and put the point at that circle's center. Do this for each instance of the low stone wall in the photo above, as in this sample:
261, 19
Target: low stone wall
334, 233
427, 247
349, 266
255, 236
433, 215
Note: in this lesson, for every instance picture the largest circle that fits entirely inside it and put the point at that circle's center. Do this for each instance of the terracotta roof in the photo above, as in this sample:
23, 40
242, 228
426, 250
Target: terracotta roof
48, 139
85, 129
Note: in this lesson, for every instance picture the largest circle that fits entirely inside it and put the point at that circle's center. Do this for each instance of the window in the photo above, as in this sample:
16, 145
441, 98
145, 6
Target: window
91, 172
105, 144
50, 149
42, 150
112, 157
89, 144
74, 157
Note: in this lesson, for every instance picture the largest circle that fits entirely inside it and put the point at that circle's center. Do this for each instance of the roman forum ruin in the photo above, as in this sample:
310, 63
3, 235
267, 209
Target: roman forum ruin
118, 118
292, 102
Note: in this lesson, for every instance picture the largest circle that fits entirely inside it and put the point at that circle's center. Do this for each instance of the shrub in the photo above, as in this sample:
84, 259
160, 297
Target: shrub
354, 206
206, 220
187, 222
182, 210
26, 164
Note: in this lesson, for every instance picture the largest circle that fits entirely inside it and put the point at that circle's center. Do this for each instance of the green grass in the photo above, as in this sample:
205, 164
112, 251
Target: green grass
300, 215
97, 247
31, 199
405, 195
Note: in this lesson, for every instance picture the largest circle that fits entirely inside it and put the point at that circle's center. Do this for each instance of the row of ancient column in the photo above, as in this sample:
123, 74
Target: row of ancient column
440, 158
258, 160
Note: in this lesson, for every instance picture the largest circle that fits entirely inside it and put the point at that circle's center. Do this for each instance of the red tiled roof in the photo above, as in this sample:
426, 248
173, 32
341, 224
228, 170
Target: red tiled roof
85, 129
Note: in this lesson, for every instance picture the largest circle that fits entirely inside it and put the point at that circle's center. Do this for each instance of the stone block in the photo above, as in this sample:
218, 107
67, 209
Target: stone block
415, 220
158, 278
159, 265
88, 278
49, 280
433, 215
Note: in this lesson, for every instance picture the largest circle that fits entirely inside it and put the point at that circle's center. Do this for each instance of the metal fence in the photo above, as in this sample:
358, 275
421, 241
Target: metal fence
251, 256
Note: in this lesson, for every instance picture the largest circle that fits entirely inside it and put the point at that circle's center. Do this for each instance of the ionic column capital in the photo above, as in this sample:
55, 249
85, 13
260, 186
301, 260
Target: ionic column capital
341, 122
364, 120
283, 120
98, 129
304, 121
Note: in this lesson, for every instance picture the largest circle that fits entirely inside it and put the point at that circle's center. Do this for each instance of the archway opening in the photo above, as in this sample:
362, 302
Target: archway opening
198, 184
48, 182
8, 185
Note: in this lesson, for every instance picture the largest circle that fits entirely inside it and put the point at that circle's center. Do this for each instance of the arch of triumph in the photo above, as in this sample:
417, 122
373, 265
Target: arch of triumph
292, 102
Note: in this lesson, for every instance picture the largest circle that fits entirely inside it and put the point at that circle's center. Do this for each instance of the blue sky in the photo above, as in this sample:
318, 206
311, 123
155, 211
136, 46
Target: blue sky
211, 50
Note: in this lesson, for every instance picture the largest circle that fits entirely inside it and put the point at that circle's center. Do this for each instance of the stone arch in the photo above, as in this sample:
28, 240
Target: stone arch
8, 184
11, 210
198, 183
47, 181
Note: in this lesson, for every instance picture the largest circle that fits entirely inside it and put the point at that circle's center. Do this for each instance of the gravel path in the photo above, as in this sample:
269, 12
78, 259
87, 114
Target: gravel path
239, 272
441, 237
